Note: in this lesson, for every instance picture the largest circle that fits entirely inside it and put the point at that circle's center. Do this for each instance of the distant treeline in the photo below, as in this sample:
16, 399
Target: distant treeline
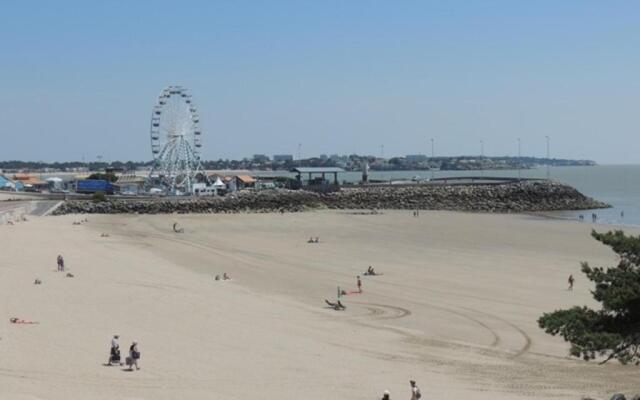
16, 165
351, 162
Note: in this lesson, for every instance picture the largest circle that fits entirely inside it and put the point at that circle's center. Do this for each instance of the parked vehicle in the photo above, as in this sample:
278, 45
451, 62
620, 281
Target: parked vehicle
90, 186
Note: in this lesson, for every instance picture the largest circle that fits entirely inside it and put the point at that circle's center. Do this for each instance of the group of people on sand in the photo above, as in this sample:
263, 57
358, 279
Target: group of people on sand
114, 354
594, 217
338, 306
224, 277
312, 240
80, 222
415, 392
60, 262
21, 218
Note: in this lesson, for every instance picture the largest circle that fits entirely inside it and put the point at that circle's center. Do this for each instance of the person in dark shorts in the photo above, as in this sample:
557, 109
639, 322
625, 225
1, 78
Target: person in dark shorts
570, 280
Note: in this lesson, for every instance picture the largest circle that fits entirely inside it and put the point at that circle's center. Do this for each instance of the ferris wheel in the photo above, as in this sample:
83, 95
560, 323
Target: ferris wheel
176, 140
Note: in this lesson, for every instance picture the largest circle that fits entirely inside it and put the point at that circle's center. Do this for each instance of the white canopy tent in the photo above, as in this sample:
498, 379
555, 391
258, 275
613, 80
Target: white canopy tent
218, 184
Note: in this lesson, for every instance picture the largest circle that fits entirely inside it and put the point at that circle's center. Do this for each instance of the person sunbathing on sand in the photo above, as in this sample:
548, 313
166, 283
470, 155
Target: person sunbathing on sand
338, 306
310, 240
15, 320
225, 277
176, 229
372, 272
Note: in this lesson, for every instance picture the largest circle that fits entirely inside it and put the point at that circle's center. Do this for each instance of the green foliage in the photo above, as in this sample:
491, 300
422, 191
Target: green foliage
110, 177
612, 332
99, 197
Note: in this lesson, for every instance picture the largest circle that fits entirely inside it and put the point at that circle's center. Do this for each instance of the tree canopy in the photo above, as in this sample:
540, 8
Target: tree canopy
613, 331
108, 176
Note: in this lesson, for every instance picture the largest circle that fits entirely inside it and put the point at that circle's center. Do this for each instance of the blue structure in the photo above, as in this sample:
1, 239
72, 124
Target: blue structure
90, 186
8, 184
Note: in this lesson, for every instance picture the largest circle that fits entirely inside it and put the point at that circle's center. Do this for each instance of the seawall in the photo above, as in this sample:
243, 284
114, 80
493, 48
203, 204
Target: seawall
527, 196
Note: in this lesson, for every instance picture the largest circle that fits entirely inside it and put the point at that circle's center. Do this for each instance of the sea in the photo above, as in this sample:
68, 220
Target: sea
617, 185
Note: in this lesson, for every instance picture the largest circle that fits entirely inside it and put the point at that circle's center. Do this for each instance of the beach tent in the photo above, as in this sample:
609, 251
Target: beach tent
54, 182
218, 184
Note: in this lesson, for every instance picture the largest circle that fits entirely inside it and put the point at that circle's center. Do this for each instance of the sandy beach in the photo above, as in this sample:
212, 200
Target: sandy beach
455, 310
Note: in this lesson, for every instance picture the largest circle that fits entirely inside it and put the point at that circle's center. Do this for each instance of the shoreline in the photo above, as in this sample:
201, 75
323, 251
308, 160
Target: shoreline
550, 216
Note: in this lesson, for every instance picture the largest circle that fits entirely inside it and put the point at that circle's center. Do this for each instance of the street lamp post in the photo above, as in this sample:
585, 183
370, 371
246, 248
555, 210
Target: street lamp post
299, 153
548, 159
481, 157
519, 162
432, 155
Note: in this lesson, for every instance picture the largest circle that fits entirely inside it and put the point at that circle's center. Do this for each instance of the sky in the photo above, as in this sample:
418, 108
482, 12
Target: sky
79, 78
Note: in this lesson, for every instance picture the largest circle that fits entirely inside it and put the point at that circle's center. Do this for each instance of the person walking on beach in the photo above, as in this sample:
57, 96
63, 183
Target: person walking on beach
415, 391
114, 353
134, 355
60, 263
570, 280
359, 282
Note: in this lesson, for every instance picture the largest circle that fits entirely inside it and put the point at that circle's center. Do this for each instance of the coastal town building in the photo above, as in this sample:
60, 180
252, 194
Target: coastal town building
415, 158
282, 158
130, 183
31, 183
8, 184
315, 171
244, 181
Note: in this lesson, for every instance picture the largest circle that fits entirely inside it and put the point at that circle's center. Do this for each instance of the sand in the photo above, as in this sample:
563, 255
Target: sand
456, 308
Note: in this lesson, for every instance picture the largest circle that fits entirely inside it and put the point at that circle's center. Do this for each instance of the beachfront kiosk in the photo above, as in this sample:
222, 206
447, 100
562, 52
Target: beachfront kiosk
319, 172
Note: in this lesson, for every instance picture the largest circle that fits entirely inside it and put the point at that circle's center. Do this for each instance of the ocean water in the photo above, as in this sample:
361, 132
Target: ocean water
618, 185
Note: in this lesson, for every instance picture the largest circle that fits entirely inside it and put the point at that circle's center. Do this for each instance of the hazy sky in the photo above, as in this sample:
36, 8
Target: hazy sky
80, 79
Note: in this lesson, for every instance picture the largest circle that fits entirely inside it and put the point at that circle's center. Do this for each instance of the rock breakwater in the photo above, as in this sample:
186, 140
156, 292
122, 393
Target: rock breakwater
528, 196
